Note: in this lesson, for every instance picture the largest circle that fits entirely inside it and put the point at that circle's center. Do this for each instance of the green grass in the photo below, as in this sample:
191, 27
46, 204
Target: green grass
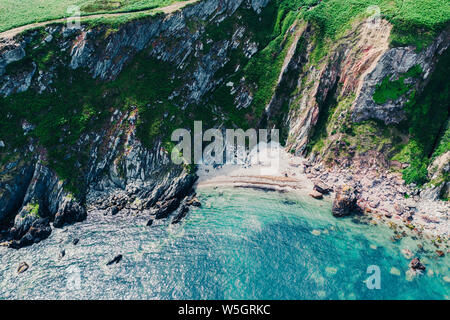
415, 22
389, 90
15, 13
33, 209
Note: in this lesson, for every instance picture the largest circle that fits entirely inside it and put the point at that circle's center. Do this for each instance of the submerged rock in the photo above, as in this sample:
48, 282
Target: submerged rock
115, 260
344, 202
440, 253
416, 265
22, 267
75, 241
181, 213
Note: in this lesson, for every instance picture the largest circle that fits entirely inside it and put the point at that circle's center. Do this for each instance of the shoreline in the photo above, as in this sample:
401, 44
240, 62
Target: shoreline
381, 195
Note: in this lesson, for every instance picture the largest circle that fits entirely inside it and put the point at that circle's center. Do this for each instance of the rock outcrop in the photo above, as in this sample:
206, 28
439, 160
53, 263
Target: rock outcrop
344, 202
416, 265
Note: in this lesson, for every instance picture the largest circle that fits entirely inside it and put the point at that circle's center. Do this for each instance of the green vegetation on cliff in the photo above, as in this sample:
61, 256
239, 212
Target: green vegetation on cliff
416, 22
444, 143
427, 118
78, 104
389, 90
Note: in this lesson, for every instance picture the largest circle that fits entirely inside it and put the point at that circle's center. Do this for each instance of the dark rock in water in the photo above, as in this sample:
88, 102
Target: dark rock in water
149, 223
194, 202
181, 213
344, 202
22, 267
69, 212
440, 253
316, 195
323, 188
115, 260
40, 229
75, 241
167, 208
415, 264
114, 210
62, 254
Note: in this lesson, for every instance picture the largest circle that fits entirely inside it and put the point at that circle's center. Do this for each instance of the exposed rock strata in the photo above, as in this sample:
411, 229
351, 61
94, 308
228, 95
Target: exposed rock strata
122, 175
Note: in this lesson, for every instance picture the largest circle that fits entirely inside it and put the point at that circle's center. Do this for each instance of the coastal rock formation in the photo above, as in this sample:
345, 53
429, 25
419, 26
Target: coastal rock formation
323, 188
393, 64
22, 267
416, 265
229, 63
117, 170
316, 194
344, 202
115, 260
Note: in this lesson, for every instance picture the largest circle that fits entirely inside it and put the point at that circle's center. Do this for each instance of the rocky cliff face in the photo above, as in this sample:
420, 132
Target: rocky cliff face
237, 63
118, 173
339, 114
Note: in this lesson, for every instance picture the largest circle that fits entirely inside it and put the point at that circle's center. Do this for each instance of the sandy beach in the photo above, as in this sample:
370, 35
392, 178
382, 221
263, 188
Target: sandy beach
382, 195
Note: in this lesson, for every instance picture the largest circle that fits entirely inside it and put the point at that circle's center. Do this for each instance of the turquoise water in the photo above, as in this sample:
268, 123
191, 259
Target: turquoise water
241, 244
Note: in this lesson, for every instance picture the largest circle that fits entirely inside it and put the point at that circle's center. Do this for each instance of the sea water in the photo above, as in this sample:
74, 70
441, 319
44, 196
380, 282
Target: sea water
241, 244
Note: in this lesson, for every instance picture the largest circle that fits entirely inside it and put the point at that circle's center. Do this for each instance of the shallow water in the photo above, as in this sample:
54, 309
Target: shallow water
242, 244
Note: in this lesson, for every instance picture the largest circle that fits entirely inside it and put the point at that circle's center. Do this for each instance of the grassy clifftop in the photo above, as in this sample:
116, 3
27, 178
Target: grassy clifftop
15, 13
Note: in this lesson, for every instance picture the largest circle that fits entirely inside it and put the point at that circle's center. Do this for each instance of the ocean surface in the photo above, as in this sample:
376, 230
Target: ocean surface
241, 244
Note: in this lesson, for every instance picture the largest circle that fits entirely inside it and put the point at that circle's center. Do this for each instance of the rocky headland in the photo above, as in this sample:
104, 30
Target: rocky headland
87, 113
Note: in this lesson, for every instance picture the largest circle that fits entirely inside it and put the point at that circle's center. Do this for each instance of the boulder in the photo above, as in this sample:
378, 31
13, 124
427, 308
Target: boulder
316, 195
115, 260
38, 230
416, 265
323, 188
22, 267
194, 202
344, 202
70, 211
114, 210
